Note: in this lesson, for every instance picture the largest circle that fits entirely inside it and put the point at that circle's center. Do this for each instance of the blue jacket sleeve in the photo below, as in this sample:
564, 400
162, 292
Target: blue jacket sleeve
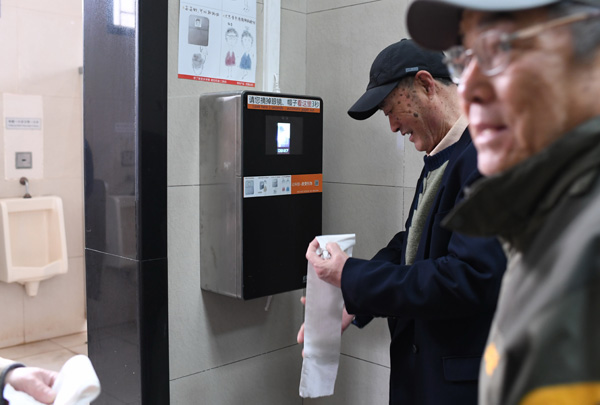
453, 275
391, 253
462, 283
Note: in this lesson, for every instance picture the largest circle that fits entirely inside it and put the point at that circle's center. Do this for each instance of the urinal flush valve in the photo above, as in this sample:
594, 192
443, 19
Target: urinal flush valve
25, 182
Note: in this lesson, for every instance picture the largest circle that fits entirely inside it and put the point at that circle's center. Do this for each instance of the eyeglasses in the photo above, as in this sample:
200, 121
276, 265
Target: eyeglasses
492, 48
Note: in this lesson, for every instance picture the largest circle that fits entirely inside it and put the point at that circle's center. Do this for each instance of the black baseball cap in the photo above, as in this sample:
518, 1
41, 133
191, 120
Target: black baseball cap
434, 24
399, 60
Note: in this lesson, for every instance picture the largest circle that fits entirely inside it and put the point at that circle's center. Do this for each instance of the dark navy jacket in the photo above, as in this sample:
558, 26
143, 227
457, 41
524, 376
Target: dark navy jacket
440, 308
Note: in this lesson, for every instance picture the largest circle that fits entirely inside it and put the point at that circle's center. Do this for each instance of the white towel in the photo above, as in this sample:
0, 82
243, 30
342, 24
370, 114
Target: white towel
322, 327
76, 384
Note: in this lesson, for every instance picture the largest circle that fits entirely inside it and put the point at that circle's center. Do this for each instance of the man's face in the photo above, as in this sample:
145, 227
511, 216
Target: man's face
231, 39
407, 108
518, 112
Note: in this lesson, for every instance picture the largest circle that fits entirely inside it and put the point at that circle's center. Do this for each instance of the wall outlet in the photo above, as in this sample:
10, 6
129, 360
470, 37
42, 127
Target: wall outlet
23, 160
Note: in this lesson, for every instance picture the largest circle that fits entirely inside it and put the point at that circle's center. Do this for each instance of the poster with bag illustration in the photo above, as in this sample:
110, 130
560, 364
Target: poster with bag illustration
217, 41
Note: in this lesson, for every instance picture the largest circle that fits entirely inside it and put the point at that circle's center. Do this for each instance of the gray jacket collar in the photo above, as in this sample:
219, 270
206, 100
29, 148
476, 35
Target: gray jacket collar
514, 204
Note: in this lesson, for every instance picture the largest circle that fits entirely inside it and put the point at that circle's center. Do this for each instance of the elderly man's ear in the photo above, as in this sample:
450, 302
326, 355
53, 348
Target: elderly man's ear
424, 80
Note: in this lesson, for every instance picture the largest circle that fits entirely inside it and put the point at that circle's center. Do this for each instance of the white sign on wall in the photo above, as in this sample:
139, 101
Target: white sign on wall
23, 136
217, 41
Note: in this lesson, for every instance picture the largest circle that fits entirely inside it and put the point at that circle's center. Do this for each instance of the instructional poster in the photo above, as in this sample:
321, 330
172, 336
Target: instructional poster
217, 41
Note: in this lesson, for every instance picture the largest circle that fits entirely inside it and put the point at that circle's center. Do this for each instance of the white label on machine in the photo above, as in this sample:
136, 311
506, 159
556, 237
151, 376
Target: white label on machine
256, 102
266, 186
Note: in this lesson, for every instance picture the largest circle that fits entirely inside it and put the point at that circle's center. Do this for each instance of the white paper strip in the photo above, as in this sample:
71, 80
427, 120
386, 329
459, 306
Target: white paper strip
322, 327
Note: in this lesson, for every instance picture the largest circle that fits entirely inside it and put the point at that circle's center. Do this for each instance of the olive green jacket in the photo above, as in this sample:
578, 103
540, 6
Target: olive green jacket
544, 344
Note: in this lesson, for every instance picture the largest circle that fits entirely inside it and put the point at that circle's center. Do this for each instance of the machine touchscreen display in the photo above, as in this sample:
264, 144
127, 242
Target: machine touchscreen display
283, 135
283, 138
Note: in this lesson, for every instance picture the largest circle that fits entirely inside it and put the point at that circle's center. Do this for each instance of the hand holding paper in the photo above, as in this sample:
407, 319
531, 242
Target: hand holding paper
323, 316
327, 261
76, 384
35, 381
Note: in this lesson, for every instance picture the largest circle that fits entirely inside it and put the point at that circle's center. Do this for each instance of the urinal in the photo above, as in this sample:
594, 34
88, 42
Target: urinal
33, 244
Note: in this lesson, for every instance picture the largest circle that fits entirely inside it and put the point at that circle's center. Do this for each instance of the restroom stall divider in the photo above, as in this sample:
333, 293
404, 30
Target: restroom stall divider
125, 171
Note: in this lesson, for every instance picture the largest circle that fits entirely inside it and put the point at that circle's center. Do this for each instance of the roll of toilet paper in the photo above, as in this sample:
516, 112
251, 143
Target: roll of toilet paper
76, 384
322, 327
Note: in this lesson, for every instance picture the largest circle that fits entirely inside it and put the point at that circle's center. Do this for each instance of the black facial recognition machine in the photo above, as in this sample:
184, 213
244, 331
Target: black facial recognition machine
261, 182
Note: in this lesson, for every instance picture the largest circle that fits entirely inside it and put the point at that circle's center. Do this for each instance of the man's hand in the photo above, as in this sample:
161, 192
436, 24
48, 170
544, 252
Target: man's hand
346, 319
36, 382
300, 337
329, 270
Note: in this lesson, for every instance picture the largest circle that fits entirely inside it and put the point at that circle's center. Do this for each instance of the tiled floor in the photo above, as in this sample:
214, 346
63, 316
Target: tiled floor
50, 354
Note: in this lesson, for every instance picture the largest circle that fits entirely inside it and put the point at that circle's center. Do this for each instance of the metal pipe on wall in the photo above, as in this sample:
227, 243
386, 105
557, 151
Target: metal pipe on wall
271, 44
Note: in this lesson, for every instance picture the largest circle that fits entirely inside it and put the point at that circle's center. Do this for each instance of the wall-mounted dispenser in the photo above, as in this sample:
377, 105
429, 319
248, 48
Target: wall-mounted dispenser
260, 190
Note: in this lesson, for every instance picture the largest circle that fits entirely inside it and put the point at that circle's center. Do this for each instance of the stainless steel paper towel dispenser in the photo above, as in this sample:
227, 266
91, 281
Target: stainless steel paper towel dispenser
260, 190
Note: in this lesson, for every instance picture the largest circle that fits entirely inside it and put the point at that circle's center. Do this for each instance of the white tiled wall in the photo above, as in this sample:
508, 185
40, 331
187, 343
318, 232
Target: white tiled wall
223, 350
42, 47
255, 380
367, 167
372, 212
228, 351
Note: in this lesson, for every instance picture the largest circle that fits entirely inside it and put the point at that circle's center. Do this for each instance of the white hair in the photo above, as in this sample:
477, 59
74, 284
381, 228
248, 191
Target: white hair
586, 34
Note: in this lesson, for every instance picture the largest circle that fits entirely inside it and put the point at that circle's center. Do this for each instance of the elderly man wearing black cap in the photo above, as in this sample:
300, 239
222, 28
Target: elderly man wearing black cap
529, 74
437, 288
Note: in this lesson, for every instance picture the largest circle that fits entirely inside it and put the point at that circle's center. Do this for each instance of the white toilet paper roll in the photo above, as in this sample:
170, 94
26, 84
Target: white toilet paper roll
322, 327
